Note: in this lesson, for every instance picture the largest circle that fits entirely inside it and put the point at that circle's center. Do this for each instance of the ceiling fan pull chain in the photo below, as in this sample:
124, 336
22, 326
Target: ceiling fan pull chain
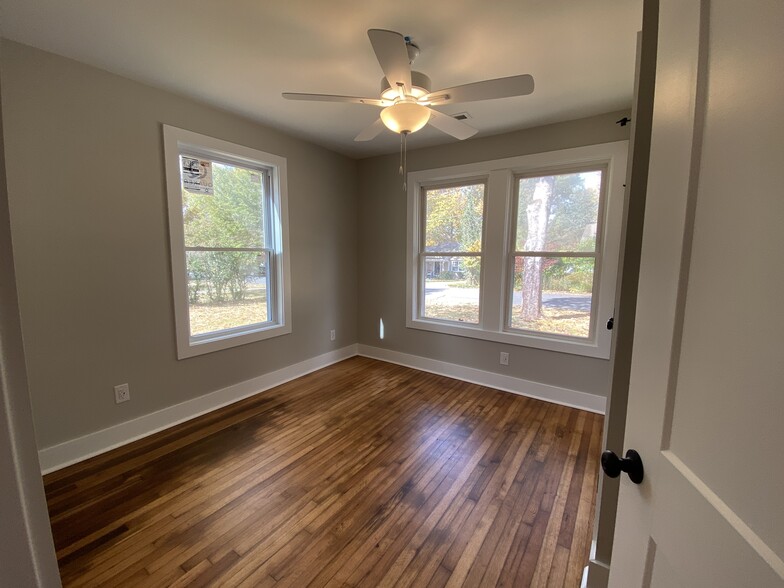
400, 170
403, 156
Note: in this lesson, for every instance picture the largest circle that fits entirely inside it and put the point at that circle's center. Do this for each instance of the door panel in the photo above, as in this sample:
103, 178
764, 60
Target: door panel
701, 538
731, 367
705, 400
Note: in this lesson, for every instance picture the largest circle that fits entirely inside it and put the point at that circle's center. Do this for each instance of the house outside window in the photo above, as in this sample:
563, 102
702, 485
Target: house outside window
522, 251
228, 231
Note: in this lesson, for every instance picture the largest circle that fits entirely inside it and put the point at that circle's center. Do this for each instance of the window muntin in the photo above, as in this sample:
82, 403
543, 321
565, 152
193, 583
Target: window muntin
228, 232
553, 266
451, 258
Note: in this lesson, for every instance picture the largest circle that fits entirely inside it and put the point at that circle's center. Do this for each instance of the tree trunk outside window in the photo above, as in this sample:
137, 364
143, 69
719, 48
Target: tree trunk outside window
537, 212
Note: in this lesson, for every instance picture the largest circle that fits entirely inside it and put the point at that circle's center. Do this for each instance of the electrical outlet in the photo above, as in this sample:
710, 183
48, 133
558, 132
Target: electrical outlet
332, 335
504, 358
122, 393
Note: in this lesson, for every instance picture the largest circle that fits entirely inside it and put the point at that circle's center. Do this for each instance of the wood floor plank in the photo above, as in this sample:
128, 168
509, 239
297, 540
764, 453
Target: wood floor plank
496, 543
462, 432
579, 550
488, 505
361, 474
348, 528
547, 553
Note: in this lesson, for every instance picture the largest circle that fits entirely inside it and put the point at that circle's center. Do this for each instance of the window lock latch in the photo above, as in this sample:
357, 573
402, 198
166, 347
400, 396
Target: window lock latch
610, 323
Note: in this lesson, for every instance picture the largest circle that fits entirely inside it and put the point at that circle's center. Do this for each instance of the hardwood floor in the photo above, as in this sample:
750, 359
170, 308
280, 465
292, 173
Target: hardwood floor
361, 474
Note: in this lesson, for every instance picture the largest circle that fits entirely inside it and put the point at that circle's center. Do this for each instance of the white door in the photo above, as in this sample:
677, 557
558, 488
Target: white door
706, 398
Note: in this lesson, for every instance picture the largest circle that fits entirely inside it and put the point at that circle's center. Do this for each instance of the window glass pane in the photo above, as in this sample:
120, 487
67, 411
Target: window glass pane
452, 288
454, 218
226, 212
553, 295
226, 289
559, 212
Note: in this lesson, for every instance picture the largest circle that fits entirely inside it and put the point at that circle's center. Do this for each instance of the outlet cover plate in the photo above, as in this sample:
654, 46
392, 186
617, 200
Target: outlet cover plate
122, 393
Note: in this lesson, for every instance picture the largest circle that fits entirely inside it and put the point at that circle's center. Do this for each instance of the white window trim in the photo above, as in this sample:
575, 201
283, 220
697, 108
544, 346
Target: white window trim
495, 274
174, 141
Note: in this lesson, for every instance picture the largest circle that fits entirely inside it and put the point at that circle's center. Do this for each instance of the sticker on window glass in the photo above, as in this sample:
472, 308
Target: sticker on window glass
255, 178
196, 175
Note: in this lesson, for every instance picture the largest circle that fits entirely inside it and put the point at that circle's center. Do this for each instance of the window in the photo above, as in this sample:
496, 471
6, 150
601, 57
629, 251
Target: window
227, 225
557, 217
522, 251
453, 238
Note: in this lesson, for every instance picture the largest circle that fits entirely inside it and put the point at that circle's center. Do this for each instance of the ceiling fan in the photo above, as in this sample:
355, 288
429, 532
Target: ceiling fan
406, 97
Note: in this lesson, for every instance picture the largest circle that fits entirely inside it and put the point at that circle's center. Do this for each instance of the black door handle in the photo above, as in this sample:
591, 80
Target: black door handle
631, 464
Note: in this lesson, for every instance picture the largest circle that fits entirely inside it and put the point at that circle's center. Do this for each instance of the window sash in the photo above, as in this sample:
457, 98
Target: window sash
558, 171
267, 197
423, 210
510, 292
423, 284
271, 306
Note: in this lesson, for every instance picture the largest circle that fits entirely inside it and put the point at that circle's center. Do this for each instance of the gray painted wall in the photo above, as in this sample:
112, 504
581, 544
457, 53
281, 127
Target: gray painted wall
27, 556
382, 256
89, 227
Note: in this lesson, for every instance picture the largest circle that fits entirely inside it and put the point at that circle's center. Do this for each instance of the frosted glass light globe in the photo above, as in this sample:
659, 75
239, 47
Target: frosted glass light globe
405, 117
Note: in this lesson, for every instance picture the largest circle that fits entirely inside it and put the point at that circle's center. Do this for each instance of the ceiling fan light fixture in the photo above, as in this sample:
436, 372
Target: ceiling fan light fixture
405, 117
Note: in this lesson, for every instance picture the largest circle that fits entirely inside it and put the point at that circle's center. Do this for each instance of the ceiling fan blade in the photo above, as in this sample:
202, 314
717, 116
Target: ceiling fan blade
392, 55
450, 126
486, 90
334, 98
371, 131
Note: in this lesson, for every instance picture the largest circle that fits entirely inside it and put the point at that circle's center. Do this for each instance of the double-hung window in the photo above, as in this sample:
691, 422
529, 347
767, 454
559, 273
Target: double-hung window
452, 251
521, 251
227, 221
555, 251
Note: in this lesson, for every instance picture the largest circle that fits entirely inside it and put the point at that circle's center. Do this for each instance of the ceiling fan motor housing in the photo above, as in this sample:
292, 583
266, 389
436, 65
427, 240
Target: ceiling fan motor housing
420, 85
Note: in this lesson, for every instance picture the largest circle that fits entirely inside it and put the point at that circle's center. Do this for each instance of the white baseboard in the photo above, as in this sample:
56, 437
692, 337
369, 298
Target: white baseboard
75, 450
565, 396
59, 456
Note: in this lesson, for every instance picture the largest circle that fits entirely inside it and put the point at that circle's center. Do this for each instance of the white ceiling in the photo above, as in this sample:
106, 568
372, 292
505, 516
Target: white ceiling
240, 55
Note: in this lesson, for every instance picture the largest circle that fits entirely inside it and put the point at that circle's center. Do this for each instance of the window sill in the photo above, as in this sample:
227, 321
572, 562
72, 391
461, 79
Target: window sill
599, 347
229, 340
